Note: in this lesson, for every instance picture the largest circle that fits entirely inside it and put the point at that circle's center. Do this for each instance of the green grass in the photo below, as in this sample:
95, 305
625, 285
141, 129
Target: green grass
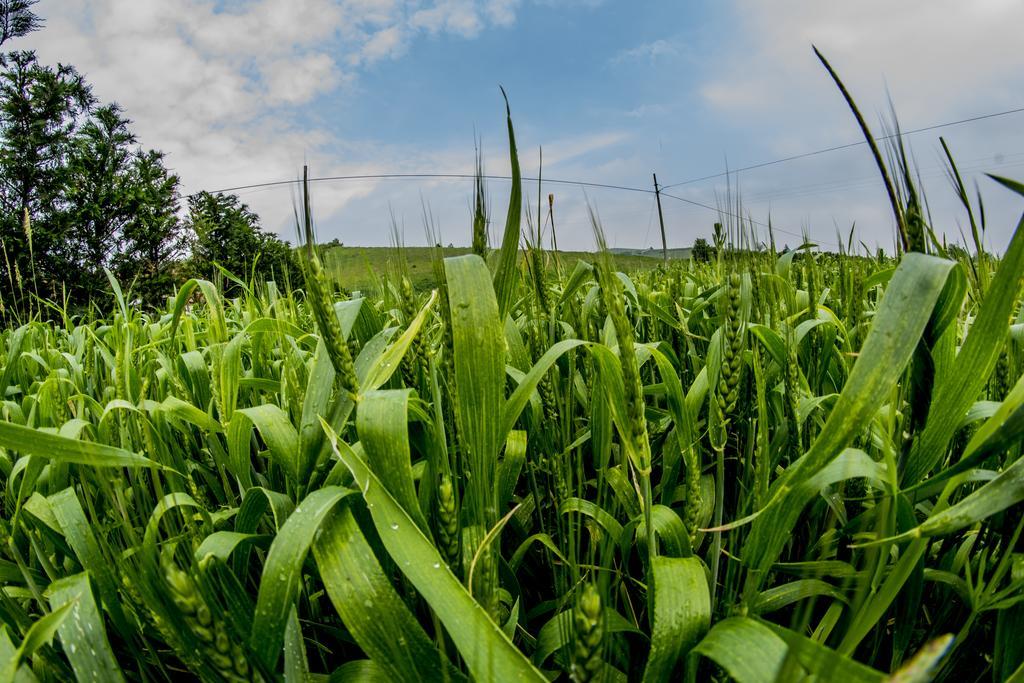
771, 467
196, 490
360, 268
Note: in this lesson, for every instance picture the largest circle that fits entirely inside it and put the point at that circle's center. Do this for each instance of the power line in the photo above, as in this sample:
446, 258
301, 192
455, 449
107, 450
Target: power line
869, 181
472, 176
427, 176
836, 148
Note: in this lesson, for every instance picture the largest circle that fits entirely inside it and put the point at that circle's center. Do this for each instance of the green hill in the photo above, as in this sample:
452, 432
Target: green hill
359, 268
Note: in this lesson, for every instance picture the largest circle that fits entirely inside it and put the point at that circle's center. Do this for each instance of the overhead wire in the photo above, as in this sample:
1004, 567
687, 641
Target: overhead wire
836, 148
471, 176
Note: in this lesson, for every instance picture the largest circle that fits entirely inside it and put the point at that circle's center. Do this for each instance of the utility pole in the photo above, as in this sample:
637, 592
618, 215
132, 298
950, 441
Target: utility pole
661, 219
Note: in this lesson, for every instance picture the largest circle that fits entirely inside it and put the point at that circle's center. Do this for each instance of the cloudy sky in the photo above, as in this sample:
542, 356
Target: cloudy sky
239, 92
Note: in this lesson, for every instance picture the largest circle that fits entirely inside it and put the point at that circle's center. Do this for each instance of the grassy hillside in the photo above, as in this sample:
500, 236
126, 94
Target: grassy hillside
360, 268
653, 252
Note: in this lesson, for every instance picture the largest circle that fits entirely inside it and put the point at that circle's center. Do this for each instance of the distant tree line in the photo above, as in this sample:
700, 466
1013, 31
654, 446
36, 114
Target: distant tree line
78, 195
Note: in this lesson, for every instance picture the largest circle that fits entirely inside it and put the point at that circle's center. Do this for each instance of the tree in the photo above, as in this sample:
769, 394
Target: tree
98, 195
93, 198
702, 252
17, 19
122, 209
228, 233
40, 110
154, 239
77, 193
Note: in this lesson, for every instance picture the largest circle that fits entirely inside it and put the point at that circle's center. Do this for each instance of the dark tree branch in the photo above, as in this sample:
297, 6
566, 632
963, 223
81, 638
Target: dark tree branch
17, 19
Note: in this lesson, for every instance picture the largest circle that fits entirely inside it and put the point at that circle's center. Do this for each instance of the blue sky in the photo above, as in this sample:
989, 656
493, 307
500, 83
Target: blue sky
566, 68
245, 91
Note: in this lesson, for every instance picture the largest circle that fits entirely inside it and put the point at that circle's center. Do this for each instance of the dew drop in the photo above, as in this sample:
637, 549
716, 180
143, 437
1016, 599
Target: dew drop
437, 565
394, 526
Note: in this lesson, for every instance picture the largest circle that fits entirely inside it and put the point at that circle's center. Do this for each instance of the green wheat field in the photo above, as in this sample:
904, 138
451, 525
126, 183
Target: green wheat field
512, 464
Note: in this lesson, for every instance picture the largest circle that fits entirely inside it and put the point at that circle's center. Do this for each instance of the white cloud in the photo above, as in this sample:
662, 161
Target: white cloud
297, 80
389, 42
456, 16
936, 56
502, 12
571, 149
262, 29
648, 52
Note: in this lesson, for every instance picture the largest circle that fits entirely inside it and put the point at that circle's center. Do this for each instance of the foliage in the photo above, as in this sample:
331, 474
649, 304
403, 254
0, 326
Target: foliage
77, 194
40, 109
122, 208
154, 239
228, 234
17, 19
702, 251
